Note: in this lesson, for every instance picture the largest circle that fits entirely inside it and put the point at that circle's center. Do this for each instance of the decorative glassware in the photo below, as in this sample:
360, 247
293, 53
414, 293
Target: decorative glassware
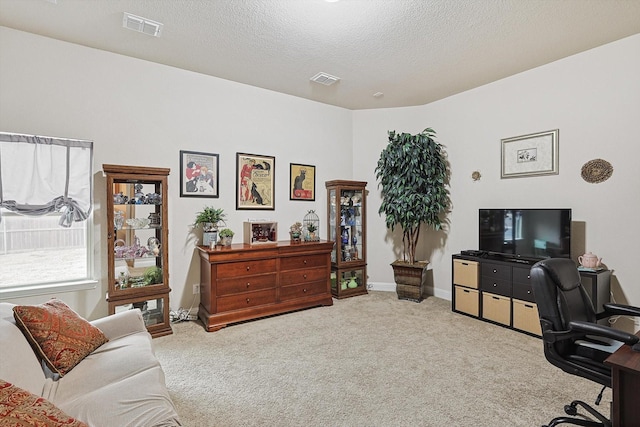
118, 219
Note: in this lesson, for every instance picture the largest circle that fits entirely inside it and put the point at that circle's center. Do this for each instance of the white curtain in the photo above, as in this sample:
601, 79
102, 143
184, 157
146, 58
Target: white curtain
40, 175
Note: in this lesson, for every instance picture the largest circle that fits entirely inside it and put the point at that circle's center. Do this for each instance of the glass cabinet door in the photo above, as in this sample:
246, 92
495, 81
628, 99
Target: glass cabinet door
138, 236
351, 236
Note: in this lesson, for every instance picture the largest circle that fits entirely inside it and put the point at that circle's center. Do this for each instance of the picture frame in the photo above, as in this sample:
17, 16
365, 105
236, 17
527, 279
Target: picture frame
199, 174
530, 155
255, 181
302, 182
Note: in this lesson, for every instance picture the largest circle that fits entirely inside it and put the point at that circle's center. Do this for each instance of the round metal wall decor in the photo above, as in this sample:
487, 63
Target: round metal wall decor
596, 171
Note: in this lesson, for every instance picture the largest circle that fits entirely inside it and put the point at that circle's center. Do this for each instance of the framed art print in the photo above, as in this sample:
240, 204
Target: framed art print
530, 155
302, 182
255, 187
198, 174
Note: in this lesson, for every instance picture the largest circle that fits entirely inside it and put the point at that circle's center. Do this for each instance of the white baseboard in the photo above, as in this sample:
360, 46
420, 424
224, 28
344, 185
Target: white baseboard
391, 287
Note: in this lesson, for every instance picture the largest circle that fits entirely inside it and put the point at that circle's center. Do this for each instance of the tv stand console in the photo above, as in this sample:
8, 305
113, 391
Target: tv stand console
498, 290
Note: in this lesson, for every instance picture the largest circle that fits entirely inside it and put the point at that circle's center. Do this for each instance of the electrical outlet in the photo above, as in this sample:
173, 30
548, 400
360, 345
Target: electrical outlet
196, 289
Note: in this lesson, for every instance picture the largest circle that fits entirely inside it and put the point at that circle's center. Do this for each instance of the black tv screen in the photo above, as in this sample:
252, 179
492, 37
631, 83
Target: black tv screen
526, 233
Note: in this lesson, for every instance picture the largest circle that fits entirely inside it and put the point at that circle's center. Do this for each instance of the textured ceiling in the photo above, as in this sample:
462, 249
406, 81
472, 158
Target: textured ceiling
413, 51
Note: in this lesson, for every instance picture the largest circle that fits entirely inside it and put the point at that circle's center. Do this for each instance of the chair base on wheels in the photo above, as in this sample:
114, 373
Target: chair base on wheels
572, 409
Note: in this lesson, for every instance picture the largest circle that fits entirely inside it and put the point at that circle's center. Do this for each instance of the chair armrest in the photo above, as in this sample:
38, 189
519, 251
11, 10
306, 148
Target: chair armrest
121, 324
611, 309
603, 331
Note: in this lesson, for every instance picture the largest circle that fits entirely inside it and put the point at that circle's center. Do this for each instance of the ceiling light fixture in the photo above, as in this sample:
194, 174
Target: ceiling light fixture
141, 25
325, 79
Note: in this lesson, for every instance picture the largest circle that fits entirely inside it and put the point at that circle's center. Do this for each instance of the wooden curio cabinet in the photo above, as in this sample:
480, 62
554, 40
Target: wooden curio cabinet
346, 213
137, 243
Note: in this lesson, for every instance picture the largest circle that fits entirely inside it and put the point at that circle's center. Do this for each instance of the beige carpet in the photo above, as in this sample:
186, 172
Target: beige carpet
371, 360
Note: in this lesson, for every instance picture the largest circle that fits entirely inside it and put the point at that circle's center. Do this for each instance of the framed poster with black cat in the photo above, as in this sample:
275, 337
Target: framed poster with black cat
302, 182
255, 187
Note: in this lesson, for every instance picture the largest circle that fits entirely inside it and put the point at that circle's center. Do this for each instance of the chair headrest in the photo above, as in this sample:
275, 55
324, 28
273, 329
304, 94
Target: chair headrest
562, 271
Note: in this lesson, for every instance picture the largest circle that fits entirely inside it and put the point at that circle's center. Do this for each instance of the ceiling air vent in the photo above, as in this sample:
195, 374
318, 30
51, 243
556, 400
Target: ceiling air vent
141, 25
325, 79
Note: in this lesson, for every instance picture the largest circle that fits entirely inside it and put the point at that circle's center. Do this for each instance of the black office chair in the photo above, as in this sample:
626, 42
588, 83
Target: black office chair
573, 340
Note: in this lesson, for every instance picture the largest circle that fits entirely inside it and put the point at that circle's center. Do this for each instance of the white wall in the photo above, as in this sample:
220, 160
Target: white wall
141, 113
593, 98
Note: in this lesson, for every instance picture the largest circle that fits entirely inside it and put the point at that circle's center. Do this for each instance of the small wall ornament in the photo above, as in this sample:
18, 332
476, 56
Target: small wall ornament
596, 171
475, 175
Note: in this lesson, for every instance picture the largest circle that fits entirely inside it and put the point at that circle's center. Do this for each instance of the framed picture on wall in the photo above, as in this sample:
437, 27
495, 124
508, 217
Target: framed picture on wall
302, 182
255, 187
530, 155
199, 175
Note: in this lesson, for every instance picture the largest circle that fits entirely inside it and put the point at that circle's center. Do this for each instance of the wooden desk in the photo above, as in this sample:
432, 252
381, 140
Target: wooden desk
625, 382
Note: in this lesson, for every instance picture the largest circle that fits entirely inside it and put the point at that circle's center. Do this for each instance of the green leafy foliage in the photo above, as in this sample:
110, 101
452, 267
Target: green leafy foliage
226, 232
412, 173
210, 214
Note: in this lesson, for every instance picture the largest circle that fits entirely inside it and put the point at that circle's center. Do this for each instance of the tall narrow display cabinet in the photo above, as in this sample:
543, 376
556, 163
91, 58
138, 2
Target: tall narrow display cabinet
346, 213
137, 243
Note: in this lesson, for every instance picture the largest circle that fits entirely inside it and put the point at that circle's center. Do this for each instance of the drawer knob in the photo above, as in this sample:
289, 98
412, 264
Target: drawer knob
495, 285
247, 300
305, 262
248, 268
248, 284
304, 276
529, 292
304, 290
528, 276
495, 271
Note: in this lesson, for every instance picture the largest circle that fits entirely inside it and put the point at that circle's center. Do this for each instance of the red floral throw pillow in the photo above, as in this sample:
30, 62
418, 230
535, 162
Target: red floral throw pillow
20, 408
57, 334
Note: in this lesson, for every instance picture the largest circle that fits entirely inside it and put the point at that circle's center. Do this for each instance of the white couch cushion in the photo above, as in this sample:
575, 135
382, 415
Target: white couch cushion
19, 365
114, 386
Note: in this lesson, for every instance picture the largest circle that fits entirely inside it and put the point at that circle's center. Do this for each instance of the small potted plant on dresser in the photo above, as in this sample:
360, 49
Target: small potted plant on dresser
209, 219
226, 236
413, 174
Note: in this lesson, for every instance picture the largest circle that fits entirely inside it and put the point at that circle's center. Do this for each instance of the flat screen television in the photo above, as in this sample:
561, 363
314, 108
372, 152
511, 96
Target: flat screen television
525, 233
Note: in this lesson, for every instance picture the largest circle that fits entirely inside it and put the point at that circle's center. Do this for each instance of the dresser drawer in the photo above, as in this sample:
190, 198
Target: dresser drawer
523, 292
302, 262
302, 276
246, 300
465, 273
302, 290
246, 284
247, 268
522, 275
497, 271
496, 286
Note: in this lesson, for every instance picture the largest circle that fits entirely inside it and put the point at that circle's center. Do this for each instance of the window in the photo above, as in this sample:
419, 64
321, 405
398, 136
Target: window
35, 251
45, 215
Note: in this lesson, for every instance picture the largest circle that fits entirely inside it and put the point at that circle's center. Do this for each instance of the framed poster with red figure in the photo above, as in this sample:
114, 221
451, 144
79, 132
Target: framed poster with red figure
255, 187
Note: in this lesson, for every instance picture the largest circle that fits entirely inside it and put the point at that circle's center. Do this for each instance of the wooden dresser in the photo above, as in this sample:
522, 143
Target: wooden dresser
242, 282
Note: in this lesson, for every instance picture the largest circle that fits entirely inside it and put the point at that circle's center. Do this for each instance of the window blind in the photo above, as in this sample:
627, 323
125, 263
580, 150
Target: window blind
40, 175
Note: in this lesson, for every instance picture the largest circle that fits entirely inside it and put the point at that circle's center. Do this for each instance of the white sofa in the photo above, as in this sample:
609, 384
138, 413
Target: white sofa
120, 384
